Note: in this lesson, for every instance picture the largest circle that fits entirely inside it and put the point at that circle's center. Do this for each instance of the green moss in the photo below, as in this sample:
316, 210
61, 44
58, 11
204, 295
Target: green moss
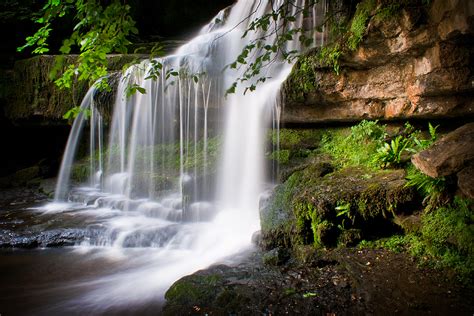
445, 239
396, 243
295, 139
34, 92
356, 146
80, 172
306, 209
447, 235
193, 289
303, 78
281, 156
359, 22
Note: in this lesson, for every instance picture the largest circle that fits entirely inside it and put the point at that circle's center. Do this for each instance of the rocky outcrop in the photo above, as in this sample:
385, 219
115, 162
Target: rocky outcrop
452, 154
341, 207
413, 65
34, 98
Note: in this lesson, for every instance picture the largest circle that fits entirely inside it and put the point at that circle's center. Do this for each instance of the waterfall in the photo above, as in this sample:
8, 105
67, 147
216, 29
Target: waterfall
178, 170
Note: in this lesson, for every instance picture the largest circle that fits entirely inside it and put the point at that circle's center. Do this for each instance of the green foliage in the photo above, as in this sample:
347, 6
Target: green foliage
390, 154
368, 130
304, 74
277, 24
427, 185
288, 138
281, 156
100, 30
330, 55
359, 23
344, 211
74, 112
447, 238
421, 144
357, 147
408, 141
395, 243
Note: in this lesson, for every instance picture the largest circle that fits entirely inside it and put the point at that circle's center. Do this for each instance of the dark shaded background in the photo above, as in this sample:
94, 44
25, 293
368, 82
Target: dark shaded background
27, 145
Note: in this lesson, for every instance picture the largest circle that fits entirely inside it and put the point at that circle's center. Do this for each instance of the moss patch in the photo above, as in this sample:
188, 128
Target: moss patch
313, 208
33, 92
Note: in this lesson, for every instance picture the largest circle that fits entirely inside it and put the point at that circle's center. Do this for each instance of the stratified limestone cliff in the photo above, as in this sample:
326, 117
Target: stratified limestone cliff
416, 64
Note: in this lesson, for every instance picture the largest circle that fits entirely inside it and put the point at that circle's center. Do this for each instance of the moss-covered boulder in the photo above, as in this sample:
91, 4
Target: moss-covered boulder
344, 206
210, 290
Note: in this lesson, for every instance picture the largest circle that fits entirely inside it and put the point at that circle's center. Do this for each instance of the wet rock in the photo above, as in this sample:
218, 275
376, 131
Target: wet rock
50, 238
448, 155
48, 186
276, 257
257, 238
409, 224
338, 283
350, 237
466, 181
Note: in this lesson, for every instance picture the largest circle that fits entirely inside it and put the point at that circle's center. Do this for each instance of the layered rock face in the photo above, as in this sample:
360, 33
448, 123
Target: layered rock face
413, 65
452, 154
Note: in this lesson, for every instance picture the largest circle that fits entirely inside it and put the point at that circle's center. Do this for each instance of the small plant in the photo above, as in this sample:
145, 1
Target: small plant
396, 243
390, 154
359, 23
426, 184
421, 144
71, 114
368, 130
344, 210
309, 294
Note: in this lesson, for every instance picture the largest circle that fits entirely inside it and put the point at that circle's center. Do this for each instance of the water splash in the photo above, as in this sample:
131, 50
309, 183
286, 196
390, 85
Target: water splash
184, 167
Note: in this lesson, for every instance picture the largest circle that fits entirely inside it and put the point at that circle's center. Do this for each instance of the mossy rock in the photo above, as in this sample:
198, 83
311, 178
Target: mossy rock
312, 207
291, 149
193, 289
80, 172
32, 93
276, 256
209, 290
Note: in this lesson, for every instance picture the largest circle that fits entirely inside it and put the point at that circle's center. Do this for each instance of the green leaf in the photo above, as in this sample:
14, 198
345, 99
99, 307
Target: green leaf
309, 294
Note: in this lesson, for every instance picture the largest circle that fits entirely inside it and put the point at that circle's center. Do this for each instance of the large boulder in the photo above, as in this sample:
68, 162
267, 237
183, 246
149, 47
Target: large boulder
449, 155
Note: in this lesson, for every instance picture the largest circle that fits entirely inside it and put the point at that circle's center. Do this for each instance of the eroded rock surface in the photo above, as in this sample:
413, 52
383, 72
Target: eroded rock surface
415, 65
448, 155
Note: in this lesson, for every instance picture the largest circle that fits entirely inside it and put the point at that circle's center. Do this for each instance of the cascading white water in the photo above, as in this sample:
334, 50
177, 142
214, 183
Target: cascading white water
184, 166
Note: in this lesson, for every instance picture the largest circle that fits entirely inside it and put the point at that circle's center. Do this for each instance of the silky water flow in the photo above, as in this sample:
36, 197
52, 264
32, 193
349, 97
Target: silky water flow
175, 175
